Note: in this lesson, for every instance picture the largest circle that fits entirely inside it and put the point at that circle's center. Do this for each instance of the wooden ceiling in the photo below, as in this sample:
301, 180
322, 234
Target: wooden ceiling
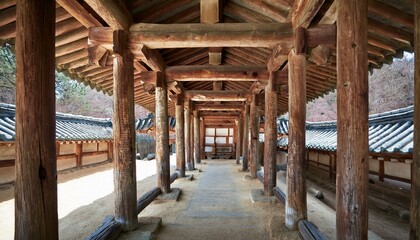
390, 32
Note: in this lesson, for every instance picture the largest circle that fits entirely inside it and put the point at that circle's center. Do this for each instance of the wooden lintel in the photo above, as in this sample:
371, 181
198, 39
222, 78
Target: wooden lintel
218, 115
221, 107
304, 11
211, 95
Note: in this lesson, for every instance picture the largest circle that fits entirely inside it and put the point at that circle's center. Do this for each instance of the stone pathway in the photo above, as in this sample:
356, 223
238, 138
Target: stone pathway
216, 210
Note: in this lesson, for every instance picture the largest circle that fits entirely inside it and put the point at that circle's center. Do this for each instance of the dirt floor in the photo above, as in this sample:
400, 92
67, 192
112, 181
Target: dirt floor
215, 205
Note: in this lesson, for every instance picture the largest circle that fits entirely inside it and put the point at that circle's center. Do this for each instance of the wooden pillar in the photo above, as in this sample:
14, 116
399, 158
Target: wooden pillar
162, 135
202, 138
254, 122
187, 119
352, 120
36, 165
245, 144
415, 175
110, 147
239, 139
180, 137
79, 154
270, 136
296, 208
192, 136
196, 137
124, 135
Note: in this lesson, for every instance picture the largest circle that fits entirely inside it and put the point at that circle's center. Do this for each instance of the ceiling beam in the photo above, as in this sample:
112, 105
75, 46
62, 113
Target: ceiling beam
211, 35
114, 13
221, 107
211, 95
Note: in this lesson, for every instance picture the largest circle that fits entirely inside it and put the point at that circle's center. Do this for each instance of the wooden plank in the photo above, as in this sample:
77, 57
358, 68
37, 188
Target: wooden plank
35, 203
187, 136
125, 184
415, 169
114, 13
245, 144
352, 120
270, 137
180, 137
162, 136
220, 107
193, 35
254, 123
296, 207
196, 137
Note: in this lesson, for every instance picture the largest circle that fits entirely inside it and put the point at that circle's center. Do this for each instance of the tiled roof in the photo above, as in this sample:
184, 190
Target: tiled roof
390, 132
68, 127
144, 124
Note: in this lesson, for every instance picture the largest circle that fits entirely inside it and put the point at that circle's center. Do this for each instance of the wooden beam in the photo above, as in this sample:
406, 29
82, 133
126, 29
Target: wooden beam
210, 11
303, 11
162, 136
270, 137
296, 208
221, 107
193, 35
80, 13
180, 137
352, 120
196, 137
114, 13
255, 135
125, 182
219, 115
36, 169
211, 95
415, 175
151, 57
187, 136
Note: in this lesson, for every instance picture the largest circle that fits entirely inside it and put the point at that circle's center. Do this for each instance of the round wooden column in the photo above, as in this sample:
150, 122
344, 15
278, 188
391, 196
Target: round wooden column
270, 137
254, 123
196, 137
36, 167
296, 208
187, 119
245, 144
125, 182
352, 120
415, 181
162, 136
180, 138
239, 134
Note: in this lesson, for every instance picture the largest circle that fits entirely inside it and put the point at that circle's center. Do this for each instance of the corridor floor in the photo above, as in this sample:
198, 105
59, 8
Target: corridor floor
219, 208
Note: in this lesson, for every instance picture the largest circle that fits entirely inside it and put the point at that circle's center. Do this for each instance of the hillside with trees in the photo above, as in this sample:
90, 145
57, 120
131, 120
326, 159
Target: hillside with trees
390, 87
71, 96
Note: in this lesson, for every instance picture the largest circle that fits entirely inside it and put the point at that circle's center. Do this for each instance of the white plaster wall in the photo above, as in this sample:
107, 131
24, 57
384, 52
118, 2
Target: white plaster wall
90, 147
67, 148
374, 165
7, 174
66, 164
87, 160
7, 152
397, 169
103, 146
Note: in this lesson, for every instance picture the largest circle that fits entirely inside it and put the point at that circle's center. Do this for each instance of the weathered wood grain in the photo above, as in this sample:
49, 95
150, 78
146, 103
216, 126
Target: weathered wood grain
180, 137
